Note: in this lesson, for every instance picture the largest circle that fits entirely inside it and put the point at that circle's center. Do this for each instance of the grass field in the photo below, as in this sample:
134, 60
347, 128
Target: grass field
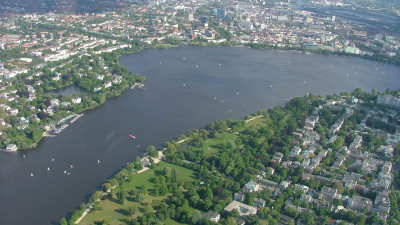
210, 144
114, 211
258, 122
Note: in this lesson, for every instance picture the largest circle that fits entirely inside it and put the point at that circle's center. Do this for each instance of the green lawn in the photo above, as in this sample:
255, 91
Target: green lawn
259, 122
211, 143
114, 211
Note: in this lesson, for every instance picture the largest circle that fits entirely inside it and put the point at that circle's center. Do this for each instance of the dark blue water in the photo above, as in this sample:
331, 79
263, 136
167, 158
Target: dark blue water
186, 88
66, 91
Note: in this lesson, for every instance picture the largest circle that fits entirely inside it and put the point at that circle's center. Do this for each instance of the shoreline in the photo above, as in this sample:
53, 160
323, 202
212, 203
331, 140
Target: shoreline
181, 141
299, 50
155, 160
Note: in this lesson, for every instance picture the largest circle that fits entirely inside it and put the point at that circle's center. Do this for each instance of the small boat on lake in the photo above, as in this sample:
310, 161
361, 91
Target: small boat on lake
132, 136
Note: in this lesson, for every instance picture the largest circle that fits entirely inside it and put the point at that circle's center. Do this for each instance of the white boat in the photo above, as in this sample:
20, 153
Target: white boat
31, 174
48, 169
98, 161
65, 171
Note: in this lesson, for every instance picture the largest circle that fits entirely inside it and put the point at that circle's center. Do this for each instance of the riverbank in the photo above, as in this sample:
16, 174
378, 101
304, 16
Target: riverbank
140, 48
56, 107
298, 49
165, 111
228, 156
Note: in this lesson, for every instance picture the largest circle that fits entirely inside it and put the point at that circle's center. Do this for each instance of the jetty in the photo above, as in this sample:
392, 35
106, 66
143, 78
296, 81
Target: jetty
139, 85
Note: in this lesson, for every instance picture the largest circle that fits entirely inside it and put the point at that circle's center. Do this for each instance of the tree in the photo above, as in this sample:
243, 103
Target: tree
152, 151
96, 196
339, 187
235, 213
230, 221
139, 197
262, 222
121, 196
167, 172
105, 222
106, 186
196, 216
131, 211
148, 208
63, 222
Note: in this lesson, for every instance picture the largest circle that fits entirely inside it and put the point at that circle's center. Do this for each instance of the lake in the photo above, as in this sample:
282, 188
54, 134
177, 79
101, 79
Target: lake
187, 88
65, 91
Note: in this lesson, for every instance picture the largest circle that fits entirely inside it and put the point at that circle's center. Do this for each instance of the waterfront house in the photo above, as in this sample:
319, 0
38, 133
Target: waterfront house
11, 148
107, 84
97, 89
145, 162
76, 100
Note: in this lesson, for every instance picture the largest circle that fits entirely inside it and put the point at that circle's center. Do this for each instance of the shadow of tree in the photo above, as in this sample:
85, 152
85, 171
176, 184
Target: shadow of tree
123, 212
131, 199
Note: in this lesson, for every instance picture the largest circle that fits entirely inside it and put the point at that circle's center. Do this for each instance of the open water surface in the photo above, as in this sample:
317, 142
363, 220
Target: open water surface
187, 88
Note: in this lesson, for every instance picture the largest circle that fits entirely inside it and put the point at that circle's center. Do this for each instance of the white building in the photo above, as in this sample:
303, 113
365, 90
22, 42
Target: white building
76, 100
11, 148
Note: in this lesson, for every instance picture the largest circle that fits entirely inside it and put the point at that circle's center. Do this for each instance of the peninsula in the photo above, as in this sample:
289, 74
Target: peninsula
317, 160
